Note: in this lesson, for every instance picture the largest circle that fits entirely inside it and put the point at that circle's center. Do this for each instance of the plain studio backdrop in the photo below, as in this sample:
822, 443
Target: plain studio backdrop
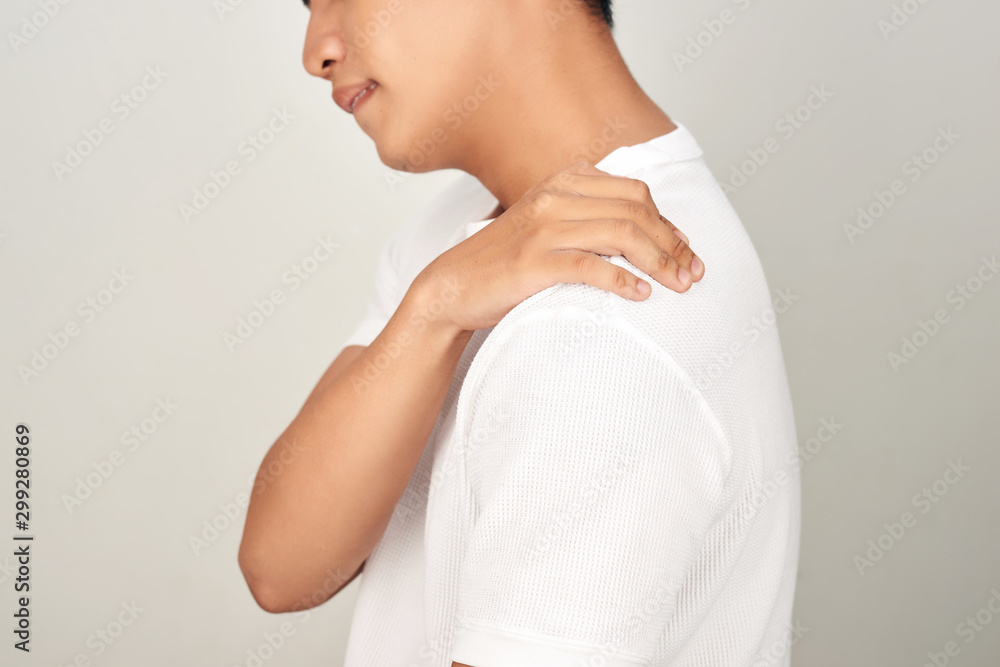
139, 223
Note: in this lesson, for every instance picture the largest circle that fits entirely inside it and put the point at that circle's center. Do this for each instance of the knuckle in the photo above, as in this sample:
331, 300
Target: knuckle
580, 263
677, 245
622, 280
635, 210
564, 177
561, 198
663, 261
623, 228
639, 189
541, 199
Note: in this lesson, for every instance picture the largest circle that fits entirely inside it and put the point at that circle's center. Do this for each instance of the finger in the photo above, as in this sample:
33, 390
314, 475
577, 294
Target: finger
607, 186
575, 266
586, 179
575, 208
625, 238
697, 266
679, 233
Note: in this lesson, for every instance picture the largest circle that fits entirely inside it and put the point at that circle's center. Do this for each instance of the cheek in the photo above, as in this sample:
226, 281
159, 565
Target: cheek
420, 56
398, 123
419, 141
424, 70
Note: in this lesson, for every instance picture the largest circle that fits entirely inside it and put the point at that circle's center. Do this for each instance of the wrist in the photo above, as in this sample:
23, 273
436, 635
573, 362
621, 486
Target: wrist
425, 309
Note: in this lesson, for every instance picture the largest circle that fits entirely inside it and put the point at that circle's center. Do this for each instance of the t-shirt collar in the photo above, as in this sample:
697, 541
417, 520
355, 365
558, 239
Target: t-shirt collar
674, 146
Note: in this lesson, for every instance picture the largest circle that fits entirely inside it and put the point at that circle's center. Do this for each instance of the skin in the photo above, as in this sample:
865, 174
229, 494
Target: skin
328, 487
552, 99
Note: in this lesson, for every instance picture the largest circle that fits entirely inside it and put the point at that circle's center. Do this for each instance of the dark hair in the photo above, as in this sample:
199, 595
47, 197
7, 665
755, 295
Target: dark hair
601, 9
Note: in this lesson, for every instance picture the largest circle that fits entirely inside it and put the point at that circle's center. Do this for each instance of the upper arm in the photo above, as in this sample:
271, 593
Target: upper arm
595, 473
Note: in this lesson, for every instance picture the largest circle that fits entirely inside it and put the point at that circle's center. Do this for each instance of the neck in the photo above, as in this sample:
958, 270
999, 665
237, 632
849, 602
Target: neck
573, 99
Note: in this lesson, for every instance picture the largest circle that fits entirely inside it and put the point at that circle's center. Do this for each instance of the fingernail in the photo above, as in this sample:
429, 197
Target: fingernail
683, 275
682, 236
697, 267
642, 287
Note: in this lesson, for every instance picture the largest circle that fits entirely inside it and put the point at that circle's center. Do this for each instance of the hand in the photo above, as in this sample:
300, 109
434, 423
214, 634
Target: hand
554, 234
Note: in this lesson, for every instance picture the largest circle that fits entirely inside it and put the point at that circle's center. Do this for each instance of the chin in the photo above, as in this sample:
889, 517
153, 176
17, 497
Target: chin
390, 157
409, 153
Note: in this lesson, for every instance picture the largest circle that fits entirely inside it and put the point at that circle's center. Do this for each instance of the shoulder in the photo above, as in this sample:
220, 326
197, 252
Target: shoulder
575, 342
573, 372
681, 327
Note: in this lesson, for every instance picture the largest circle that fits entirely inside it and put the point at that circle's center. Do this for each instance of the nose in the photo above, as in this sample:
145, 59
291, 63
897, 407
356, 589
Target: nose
324, 44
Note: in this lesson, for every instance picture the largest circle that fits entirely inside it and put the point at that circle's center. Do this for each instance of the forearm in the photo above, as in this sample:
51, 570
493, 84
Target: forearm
346, 459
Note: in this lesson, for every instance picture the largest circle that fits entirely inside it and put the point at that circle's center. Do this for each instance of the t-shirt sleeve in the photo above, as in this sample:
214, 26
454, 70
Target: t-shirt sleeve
595, 469
386, 298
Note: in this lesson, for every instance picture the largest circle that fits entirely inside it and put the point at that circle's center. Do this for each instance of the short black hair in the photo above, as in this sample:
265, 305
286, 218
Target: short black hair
601, 9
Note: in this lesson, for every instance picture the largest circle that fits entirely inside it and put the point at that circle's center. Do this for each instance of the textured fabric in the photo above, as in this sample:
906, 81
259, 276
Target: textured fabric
609, 482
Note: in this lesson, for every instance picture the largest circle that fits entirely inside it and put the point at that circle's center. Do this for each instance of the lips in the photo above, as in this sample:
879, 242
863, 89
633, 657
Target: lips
348, 96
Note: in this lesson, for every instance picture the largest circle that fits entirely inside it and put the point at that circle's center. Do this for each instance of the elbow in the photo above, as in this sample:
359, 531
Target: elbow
268, 598
266, 592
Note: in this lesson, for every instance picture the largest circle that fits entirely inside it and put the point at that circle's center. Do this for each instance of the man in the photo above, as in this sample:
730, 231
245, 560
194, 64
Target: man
543, 445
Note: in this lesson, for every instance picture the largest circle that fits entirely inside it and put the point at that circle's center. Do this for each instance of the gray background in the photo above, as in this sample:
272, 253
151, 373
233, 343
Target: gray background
161, 337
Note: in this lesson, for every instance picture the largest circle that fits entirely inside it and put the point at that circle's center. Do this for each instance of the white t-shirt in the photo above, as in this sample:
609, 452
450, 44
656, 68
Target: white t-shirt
609, 482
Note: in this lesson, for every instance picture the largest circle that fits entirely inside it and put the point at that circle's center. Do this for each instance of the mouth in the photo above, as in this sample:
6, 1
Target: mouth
362, 95
349, 97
